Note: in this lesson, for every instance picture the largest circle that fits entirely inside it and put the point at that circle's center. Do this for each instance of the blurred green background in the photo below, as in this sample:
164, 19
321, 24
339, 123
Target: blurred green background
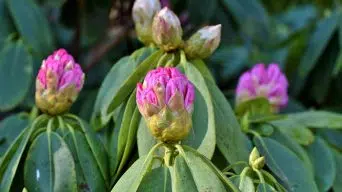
304, 37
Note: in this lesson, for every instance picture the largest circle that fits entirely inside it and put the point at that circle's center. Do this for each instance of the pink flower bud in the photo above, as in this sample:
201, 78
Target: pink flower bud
165, 99
268, 82
58, 83
166, 30
143, 12
204, 42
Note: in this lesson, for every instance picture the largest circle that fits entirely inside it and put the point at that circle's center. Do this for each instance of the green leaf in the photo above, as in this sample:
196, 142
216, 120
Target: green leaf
202, 67
119, 84
295, 130
133, 177
15, 74
203, 176
291, 144
182, 179
10, 161
249, 14
333, 137
35, 29
88, 172
318, 41
130, 83
312, 119
324, 164
49, 165
247, 184
262, 186
145, 140
338, 178
10, 129
204, 172
203, 120
127, 134
233, 144
285, 165
158, 179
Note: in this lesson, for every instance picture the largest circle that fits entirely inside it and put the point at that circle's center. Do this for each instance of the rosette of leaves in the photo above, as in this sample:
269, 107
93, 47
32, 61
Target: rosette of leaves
214, 123
180, 169
55, 153
300, 148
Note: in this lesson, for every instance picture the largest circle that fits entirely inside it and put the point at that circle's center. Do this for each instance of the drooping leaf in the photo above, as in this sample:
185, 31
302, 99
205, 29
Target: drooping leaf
324, 164
10, 129
15, 74
203, 137
333, 137
311, 119
232, 143
49, 165
119, 84
285, 165
88, 172
291, 144
181, 175
145, 140
128, 130
264, 187
318, 41
10, 161
246, 185
6, 24
35, 29
158, 179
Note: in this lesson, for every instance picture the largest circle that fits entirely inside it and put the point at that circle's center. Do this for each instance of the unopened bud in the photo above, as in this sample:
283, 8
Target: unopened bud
143, 13
253, 156
165, 99
166, 30
204, 42
58, 83
258, 163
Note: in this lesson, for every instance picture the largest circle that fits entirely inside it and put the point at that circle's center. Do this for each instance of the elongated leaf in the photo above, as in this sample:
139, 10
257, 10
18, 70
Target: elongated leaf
295, 129
88, 172
133, 177
10, 129
338, 178
131, 81
291, 144
246, 185
312, 119
203, 176
261, 188
324, 164
182, 179
35, 29
285, 165
202, 67
145, 140
317, 44
10, 161
333, 137
194, 159
49, 165
203, 117
128, 130
119, 84
158, 179
15, 74
232, 143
